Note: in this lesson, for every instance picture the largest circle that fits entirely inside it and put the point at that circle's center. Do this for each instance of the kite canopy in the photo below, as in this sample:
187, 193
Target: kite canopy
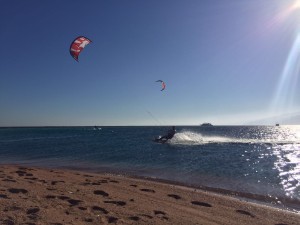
78, 45
163, 85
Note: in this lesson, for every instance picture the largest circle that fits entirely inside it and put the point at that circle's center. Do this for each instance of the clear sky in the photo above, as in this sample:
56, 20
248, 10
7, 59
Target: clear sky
226, 62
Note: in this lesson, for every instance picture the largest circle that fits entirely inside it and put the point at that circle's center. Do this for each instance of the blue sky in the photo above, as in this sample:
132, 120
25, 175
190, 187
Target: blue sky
225, 62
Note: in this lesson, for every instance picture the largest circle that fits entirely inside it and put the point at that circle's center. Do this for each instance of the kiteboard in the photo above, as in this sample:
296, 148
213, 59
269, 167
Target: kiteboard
159, 140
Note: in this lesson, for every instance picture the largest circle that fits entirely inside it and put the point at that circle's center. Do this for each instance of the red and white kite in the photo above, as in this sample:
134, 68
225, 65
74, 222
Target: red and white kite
78, 45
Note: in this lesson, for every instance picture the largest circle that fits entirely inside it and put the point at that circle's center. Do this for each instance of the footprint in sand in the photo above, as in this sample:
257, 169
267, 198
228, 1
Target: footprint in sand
42, 181
88, 176
245, 213
22, 168
99, 192
134, 218
50, 196
21, 173
7, 222
63, 197
30, 178
118, 203
32, 213
89, 220
12, 208
157, 212
55, 182
17, 191
3, 196
58, 172
174, 196
114, 181
82, 208
111, 219
51, 189
97, 208
32, 210
133, 185
74, 202
201, 204
147, 190
161, 214
9, 180
103, 181
147, 216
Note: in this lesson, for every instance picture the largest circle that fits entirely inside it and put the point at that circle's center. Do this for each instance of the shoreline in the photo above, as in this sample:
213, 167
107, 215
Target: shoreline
292, 205
289, 204
65, 196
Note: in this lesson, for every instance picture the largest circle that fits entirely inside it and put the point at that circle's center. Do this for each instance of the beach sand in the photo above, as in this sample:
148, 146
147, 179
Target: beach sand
44, 196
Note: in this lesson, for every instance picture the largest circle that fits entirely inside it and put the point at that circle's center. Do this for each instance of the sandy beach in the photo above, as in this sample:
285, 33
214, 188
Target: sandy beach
43, 196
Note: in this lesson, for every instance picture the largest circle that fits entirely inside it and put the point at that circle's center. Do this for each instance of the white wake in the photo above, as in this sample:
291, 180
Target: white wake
192, 138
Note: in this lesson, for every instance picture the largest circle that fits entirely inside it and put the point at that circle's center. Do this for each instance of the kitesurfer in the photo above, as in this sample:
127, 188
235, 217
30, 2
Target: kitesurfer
169, 135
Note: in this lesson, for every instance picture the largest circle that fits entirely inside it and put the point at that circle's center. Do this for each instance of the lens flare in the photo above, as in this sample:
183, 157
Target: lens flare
296, 5
284, 101
285, 94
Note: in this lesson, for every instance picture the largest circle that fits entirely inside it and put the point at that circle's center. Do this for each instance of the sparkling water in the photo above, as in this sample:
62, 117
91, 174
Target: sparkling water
254, 160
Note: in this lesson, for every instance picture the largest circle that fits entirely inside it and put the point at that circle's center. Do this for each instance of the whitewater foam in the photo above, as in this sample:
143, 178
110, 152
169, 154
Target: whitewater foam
193, 138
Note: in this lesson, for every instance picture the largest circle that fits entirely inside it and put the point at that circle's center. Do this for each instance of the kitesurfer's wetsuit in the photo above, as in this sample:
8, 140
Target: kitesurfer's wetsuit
170, 134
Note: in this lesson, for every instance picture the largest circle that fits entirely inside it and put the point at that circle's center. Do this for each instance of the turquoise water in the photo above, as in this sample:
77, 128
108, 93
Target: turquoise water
260, 160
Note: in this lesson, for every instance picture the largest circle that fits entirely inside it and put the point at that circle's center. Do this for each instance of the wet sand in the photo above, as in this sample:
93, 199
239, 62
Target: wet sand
35, 196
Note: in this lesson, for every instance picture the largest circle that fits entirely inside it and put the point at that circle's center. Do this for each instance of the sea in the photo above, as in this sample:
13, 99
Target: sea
258, 163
